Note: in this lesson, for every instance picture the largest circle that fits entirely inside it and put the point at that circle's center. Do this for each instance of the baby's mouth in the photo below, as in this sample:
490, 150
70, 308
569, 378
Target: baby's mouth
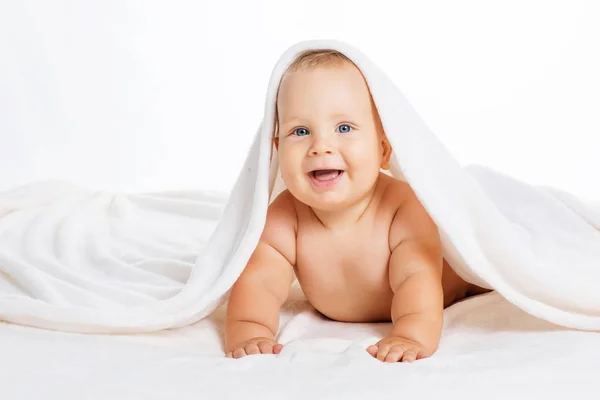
324, 175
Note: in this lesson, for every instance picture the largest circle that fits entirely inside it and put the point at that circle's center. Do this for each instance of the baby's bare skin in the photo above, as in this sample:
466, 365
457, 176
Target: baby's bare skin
344, 274
360, 243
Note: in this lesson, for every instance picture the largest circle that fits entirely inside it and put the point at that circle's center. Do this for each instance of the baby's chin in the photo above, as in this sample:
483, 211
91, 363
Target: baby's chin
330, 201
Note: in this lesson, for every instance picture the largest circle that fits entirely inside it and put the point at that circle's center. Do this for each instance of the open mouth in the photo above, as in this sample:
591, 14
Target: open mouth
325, 177
326, 174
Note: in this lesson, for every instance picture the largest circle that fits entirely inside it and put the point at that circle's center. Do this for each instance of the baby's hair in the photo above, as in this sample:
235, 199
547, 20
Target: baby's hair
322, 58
310, 59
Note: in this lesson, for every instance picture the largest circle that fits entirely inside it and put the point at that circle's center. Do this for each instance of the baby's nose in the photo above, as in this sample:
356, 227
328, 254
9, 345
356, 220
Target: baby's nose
315, 152
321, 146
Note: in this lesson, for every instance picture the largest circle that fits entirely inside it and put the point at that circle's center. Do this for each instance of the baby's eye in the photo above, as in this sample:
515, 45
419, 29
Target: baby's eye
345, 125
300, 132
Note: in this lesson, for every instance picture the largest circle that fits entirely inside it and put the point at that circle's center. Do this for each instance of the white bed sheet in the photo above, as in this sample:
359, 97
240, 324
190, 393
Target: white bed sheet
489, 350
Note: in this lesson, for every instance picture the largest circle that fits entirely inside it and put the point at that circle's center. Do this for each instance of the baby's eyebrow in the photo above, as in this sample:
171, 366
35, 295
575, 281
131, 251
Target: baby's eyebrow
340, 115
298, 119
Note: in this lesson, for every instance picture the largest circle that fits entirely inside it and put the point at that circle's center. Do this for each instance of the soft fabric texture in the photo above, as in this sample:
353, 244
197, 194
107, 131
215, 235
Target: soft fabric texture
489, 350
100, 262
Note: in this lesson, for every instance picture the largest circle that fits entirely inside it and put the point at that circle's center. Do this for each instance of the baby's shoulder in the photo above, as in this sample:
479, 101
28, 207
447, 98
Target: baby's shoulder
411, 219
282, 210
396, 192
280, 227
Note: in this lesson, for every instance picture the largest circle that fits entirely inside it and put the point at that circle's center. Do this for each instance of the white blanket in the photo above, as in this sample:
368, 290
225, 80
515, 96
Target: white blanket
489, 350
101, 262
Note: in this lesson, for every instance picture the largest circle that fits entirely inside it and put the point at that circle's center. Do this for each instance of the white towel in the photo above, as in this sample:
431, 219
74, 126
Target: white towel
101, 262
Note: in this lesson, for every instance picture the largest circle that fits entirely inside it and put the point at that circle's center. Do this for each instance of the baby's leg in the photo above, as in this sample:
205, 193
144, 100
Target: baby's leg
455, 288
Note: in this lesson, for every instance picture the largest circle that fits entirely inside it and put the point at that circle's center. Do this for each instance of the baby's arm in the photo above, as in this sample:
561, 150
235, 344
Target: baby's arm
262, 288
415, 274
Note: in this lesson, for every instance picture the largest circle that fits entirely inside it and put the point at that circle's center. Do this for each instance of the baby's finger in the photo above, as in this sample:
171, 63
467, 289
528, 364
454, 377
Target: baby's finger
265, 347
372, 350
238, 353
229, 355
252, 348
394, 355
277, 348
383, 351
409, 356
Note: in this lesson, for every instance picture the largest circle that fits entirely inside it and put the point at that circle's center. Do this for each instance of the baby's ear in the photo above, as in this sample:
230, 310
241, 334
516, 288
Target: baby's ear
386, 154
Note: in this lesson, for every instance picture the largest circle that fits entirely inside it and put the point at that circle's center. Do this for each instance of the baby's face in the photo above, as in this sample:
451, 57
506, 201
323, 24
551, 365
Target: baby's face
327, 121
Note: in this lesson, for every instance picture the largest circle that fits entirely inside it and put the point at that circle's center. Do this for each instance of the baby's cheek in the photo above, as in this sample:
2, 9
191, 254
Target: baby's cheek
294, 180
365, 162
290, 179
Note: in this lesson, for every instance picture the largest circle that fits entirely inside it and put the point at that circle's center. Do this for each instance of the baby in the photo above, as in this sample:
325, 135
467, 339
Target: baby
361, 245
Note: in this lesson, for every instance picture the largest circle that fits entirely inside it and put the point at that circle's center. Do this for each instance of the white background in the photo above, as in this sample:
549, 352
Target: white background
135, 96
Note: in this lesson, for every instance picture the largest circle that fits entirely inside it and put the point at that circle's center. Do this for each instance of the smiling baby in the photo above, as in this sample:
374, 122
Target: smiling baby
361, 245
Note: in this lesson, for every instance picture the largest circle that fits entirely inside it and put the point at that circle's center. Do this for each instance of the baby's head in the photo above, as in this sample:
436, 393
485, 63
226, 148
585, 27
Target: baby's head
326, 121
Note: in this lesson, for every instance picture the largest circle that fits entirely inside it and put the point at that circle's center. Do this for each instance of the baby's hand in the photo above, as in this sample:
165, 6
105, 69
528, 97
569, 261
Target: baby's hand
258, 345
395, 348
